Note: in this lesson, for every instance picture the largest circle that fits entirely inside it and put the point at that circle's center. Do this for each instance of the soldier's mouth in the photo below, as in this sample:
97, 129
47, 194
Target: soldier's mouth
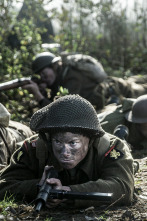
66, 160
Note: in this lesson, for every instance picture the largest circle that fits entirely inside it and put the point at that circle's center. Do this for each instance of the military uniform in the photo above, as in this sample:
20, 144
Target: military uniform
97, 93
80, 74
108, 167
77, 83
132, 87
11, 134
115, 115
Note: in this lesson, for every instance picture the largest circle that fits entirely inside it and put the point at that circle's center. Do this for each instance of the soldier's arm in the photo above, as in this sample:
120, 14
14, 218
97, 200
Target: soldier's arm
20, 178
116, 177
3, 152
7, 145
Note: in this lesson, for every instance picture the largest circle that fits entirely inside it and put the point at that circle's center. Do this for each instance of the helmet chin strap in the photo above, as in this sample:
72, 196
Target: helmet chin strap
44, 137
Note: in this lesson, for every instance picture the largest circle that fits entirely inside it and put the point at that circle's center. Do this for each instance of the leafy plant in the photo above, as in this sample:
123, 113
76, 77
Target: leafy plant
62, 91
7, 202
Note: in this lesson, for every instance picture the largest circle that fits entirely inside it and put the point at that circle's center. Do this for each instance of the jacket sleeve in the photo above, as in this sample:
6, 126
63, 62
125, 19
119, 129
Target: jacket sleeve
3, 152
6, 152
20, 178
116, 177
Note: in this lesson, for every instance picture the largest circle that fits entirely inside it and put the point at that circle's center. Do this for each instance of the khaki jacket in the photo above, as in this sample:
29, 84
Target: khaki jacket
115, 115
108, 167
13, 134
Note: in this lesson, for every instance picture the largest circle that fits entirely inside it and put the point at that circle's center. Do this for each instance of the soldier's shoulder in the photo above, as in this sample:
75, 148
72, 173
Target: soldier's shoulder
127, 104
117, 148
31, 142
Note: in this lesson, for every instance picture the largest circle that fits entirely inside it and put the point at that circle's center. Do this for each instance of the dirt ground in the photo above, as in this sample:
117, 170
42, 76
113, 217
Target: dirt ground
137, 211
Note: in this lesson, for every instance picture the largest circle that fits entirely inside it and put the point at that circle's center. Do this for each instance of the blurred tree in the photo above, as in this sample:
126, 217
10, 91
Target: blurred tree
103, 30
15, 62
33, 11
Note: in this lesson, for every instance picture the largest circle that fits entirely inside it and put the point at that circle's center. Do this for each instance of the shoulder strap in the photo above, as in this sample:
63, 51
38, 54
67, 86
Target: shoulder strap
3, 138
102, 145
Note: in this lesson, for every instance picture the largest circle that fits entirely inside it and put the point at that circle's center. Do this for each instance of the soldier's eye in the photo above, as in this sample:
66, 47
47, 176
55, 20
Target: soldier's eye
74, 142
57, 141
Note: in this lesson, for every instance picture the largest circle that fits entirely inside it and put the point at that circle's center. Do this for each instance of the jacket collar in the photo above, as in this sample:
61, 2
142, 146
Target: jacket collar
98, 146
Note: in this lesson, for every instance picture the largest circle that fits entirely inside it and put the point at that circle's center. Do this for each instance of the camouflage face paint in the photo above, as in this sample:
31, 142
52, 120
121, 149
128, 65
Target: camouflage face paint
69, 148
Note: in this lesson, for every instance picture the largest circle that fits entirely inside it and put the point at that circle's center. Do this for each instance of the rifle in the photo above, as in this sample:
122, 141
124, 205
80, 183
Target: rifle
46, 192
17, 83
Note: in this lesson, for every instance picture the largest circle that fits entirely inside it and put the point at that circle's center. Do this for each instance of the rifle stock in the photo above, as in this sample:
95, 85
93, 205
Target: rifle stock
46, 192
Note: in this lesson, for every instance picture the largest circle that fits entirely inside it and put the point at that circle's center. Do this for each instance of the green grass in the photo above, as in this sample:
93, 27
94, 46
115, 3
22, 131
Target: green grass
7, 202
48, 219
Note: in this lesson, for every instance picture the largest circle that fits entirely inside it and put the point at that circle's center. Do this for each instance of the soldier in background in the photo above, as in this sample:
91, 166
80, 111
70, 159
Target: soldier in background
11, 134
80, 74
131, 113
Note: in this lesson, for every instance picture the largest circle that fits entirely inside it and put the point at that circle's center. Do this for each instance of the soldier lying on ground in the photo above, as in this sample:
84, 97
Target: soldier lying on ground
133, 114
72, 141
80, 75
11, 133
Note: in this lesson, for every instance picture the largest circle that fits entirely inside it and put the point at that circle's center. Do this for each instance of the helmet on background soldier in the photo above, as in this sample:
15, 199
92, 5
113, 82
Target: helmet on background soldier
42, 60
138, 114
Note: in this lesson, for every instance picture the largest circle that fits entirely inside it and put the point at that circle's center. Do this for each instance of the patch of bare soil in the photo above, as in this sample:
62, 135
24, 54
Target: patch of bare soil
137, 211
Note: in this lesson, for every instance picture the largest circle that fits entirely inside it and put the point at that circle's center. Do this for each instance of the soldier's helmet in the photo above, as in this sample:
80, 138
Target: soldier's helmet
70, 113
138, 114
43, 60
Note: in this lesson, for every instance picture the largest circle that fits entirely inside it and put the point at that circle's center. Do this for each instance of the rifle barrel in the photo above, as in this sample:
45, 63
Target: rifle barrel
60, 194
14, 83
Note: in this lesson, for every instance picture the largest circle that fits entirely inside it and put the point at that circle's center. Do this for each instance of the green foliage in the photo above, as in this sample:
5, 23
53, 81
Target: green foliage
62, 91
15, 62
48, 219
7, 202
102, 29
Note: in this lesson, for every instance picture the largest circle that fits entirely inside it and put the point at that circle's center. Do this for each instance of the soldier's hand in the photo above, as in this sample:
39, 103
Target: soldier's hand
57, 185
46, 169
33, 88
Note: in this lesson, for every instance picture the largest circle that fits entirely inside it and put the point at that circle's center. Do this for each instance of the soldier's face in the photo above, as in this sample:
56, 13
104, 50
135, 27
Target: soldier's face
143, 129
48, 76
69, 149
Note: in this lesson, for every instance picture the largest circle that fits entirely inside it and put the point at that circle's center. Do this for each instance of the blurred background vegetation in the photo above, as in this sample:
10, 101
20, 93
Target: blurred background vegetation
102, 29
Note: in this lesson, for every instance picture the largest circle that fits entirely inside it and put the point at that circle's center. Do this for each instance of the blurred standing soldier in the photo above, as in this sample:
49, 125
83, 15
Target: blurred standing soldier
72, 141
80, 74
11, 133
131, 113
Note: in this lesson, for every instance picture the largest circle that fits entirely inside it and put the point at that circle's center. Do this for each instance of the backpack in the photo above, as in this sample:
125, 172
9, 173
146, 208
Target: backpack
85, 64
